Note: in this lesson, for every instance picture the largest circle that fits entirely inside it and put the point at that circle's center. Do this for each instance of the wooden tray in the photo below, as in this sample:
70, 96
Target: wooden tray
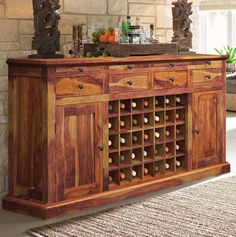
125, 50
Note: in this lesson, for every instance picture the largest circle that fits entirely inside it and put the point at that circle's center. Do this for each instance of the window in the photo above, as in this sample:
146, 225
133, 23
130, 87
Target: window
217, 25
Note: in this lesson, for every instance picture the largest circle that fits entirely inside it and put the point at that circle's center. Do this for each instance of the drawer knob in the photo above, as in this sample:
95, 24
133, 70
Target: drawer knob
208, 63
172, 64
130, 66
197, 131
208, 77
130, 83
172, 79
81, 69
101, 148
81, 86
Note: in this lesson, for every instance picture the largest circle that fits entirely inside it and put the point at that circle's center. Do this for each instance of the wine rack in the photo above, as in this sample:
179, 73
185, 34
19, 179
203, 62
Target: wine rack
147, 138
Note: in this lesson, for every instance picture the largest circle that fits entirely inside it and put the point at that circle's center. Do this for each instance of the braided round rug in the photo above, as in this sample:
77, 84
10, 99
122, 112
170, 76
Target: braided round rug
202, 210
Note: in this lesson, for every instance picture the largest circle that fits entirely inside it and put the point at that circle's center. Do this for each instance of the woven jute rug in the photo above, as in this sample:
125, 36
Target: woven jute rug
202, 210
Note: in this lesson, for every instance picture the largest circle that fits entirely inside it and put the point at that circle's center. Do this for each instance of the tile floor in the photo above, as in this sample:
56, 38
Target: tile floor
15, 225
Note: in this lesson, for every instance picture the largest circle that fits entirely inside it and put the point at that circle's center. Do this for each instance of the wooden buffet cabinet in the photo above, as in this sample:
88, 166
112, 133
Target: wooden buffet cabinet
90, 132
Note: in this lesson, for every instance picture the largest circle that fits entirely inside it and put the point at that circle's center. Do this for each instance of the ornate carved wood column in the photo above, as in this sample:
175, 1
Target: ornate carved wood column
46, 38
182, 10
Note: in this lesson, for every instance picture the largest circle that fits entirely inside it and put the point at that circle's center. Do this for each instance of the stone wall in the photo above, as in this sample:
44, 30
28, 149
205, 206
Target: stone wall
16, 27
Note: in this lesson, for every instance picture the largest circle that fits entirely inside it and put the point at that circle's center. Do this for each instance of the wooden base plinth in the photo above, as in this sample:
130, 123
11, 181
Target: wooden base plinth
46, 211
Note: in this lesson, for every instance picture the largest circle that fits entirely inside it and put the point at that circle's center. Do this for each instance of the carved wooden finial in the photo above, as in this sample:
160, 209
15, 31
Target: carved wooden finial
46, 38
182, 10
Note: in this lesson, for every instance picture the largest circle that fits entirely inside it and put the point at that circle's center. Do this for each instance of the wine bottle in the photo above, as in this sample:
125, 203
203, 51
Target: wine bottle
135, 121
177, 116
110, 107
156, 152
167, 101
110, 179
178, 132
134, 173
134, 104
145, 120
122, 176
109, 143
133, 156
167, 117
177, 147
135, 138
156, 168
167, 166
122, 140
145, 171
157, 118
178, 100
122, 123
157, 135
145, 153
122, 157
146, 136
122, 106
145, 103
167, 149
109, 125
156, 102
110, 160
178, 163
167, 133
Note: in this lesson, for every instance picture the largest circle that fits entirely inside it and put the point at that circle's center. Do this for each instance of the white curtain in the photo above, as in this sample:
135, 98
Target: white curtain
206, 5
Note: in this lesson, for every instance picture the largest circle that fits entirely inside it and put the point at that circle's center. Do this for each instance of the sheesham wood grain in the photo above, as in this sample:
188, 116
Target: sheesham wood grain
115, 61
74, 124
105, 198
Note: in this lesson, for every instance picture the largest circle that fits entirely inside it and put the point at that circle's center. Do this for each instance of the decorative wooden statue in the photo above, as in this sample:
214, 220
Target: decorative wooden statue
182, 24
46, 38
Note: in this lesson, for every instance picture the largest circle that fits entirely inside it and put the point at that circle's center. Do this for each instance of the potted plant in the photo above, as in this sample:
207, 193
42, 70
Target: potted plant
231, 52
230, 77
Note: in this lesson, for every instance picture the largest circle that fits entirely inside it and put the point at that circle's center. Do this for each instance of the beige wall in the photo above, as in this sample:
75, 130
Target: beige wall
16, 29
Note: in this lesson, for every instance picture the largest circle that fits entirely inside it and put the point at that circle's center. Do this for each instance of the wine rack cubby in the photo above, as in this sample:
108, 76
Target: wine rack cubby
147, 138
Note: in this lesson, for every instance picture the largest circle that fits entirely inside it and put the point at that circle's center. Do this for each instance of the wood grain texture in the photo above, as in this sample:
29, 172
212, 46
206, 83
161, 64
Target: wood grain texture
78, 158
80, 85
169, 79
204, 58
127, 82
206, 124
58, 132
105, 198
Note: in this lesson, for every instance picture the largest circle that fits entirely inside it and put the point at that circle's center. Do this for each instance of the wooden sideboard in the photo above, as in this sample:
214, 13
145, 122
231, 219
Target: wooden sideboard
90, 132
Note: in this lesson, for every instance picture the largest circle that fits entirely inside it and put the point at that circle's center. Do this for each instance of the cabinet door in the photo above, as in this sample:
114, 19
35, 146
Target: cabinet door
79, 150
208, 128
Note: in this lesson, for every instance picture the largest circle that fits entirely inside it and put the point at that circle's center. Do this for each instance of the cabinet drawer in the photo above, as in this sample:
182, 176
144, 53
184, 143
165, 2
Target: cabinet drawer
170, 79
203, 77
89, 84
79, 69
127, 67
126, 82
205, 65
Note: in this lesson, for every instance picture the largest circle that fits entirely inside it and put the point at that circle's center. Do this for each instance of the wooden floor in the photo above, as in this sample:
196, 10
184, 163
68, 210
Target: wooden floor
15, 225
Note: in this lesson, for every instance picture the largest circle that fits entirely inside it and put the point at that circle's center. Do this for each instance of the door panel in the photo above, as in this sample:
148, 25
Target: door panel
207, 123
79, 162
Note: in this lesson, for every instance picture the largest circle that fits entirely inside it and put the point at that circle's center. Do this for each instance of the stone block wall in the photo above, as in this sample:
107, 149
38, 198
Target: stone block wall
16, 29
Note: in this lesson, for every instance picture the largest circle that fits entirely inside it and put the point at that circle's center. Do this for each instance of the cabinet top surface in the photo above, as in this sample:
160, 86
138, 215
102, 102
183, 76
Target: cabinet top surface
111, 60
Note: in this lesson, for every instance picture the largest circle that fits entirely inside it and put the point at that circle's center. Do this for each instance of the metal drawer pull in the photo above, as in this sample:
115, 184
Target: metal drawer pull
130, 83
208, 77
197, 131
172, 79
81, 86
208, 63
81, 69
101, 148
130, 66
172, 64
